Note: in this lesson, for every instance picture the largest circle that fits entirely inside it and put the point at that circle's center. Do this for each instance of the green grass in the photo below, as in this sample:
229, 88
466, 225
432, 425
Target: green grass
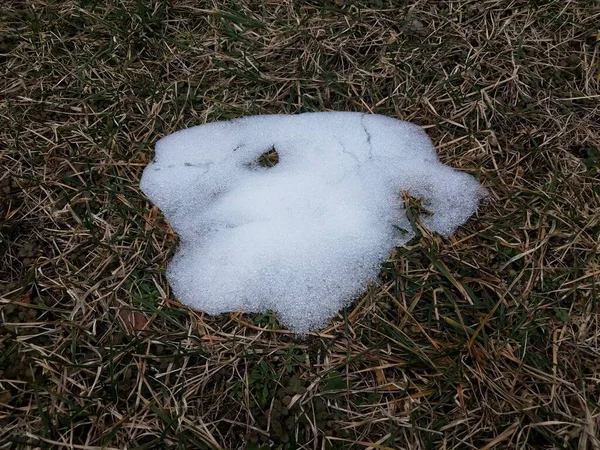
488, 339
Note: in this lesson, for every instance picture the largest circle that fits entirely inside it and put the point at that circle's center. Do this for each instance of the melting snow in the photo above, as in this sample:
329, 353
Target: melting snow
306, 236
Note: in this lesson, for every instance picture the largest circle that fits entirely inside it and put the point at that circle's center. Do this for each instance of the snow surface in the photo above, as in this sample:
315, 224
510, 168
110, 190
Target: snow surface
305, 237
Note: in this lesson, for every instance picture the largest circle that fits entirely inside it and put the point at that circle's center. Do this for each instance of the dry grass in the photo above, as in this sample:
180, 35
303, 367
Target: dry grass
489, 339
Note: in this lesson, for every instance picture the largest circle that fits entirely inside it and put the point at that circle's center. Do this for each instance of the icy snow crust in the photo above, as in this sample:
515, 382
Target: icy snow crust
305, 237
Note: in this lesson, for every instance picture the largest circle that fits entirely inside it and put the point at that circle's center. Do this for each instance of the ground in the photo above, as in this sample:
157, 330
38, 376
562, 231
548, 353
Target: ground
488, 339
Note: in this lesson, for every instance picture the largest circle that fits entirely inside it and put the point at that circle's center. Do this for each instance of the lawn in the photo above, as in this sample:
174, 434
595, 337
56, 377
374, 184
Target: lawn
488, 339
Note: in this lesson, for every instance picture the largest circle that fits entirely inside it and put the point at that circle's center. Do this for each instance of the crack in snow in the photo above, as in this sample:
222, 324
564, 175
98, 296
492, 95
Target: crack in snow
345, 151
362, 123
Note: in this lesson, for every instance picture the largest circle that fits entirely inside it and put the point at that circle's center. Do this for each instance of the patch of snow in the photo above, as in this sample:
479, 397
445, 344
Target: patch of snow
306, 236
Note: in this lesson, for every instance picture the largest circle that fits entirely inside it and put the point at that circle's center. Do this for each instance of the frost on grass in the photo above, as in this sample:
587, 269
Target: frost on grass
296, 213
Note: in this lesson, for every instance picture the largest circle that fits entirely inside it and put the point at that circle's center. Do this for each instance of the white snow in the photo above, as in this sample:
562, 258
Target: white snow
305, 237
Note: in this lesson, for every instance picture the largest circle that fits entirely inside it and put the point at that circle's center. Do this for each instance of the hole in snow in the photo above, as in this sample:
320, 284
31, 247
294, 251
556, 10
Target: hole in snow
268, 159
416, 206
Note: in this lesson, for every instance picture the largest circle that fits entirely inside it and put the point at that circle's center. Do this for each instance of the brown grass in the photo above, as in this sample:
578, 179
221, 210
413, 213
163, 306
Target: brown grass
486, 340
